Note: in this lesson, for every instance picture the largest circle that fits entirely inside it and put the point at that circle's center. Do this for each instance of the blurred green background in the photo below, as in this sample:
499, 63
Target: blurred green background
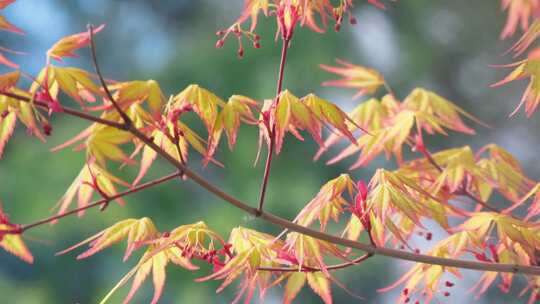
446, 46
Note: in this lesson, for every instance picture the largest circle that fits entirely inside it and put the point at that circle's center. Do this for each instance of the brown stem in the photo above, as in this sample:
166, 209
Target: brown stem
103, 201
315, 269
45, 105
125, 117
272, 129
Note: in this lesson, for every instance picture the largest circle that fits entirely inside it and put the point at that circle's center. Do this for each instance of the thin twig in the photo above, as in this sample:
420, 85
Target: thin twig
316, 269
45, 105
272, 128
100, 202
125, 117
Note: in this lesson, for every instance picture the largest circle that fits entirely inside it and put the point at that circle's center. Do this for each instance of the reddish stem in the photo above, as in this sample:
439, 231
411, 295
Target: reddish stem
315, 269
104, 201
272, 131
67, 110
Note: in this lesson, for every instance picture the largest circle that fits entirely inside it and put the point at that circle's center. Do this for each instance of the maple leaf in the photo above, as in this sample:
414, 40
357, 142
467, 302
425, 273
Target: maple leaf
102, 142
388, 139
328, 203
5, 3
11, 108
251, 10
528, 38
534, 207
7, 126
153, 262
165, 138
295, 282
429, 276
368, 115
91, 179
527, 68
204, 102
433, 112
12, 242
66, 46
510, 231
127, 93
252, 249
459, 165
519, 14
309, 113
137, 231
237, 109
177, 246
76, 83
7, 26
366, 80
309, 252
505, 175
398, 203
9, 80
5, 61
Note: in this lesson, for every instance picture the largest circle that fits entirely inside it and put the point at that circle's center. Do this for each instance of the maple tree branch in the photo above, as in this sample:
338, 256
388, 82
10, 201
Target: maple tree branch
315, 269
101, 202
66, 110
284, 223
125, 117
272, 129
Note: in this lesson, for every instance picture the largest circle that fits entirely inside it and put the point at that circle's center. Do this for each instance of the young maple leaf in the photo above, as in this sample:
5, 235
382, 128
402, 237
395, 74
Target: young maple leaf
366, 80
204, 103
7, 26
505, 175
5, 61
251, 249
389, 139
5, 3
368, 115
11, 240
178, 246
534, 207
520, 12
74, 82
528, 38
309, 113
433, 113
92, 178
429, 276
397, 203
138, 91
318, 282
459, 166
9, 80
527, 68
137, 231
11, 109
308, 252
102, 142
328, 203
7, 126
66, 46
165, 138
237, 109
